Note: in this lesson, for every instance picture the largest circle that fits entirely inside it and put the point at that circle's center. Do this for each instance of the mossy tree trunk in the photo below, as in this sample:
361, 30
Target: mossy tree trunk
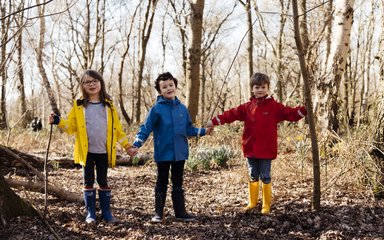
11, 205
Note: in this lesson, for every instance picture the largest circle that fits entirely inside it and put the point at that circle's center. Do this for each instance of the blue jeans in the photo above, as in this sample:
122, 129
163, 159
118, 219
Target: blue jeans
101, 163
177, 172
260, 169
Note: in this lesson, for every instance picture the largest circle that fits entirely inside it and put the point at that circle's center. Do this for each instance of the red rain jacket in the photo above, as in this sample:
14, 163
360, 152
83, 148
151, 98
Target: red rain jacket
261, 117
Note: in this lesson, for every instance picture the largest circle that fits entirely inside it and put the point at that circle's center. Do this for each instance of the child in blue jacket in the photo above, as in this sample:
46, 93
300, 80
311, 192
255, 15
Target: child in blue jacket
170, 122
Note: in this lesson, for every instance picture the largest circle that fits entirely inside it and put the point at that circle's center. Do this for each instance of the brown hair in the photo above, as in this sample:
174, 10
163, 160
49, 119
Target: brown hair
104, 96
259, 79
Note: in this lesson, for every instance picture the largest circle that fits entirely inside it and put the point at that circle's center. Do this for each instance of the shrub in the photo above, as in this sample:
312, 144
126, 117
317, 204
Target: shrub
205, 158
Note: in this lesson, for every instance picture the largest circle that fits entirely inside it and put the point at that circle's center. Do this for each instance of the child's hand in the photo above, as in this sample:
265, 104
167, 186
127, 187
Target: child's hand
53, 119
209, 130
132, 151
209, 124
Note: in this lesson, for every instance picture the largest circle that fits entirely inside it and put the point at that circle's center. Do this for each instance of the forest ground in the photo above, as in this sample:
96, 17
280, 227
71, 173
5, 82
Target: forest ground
216, 196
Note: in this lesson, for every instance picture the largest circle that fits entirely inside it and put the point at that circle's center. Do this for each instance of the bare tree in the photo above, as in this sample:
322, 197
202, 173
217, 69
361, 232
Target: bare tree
180, 19
194, 58
145, 35
5, 23
40, 61
121, 71
367, 61
20, 71
248, 10
308, 103
337, 61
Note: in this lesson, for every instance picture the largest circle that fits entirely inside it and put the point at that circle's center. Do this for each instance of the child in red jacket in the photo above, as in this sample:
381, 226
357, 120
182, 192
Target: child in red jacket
261, 116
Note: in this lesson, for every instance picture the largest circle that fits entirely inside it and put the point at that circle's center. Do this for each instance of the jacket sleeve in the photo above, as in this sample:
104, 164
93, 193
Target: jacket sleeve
146, 128
291, 114
122, 138
229, 116
69, 125
193, 131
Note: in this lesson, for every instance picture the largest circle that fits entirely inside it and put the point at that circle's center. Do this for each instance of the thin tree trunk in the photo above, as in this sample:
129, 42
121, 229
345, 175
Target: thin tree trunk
40, 61
3, 71
248, 10
366, 71
308, 103
145, 35
20, 73
121, 71
194, 58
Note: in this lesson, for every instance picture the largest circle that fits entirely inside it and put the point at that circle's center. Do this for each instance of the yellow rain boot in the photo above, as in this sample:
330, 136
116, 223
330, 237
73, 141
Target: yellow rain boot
267, 197
253, 192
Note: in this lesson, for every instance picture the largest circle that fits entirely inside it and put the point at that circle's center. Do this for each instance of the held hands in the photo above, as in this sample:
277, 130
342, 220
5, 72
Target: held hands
132, 151
209, 124
210, 127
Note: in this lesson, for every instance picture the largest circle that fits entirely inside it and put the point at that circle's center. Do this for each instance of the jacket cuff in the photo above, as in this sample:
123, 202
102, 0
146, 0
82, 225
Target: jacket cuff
302, 112
137, 144
216, 121
56, 120
201, 132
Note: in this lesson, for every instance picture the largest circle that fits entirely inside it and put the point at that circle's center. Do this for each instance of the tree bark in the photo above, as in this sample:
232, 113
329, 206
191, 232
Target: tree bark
40, 61
11, 205
337, 62
39, 187
308, 103
3, 70
145, 35
27, 118
194, 58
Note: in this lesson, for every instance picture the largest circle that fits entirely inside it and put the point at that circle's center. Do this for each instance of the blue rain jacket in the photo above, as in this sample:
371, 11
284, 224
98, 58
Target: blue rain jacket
171, 124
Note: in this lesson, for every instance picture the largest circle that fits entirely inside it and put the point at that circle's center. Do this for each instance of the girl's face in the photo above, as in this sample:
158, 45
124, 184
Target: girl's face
260, 90
168, 89
92, 87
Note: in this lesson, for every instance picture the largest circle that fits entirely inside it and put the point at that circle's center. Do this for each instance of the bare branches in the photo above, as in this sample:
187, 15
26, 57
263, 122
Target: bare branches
24, 9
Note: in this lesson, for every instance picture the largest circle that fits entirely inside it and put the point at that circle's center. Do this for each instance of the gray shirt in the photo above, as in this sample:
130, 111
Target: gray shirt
96, 123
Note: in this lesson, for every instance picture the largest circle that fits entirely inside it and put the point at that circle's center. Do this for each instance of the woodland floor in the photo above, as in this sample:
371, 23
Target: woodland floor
216, 197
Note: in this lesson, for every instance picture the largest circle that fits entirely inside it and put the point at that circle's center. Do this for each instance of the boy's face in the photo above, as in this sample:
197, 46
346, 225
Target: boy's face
260, 90
168, 89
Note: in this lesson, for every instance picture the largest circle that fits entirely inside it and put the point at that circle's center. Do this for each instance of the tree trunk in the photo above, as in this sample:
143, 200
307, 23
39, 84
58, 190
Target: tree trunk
194, 58
337, 61
3, 71
145, 35
27, 118
11, 205
249, 43
279, 52
308, 103
40, 61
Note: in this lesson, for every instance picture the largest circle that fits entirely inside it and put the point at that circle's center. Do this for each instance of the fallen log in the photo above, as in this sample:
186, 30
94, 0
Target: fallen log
39, 187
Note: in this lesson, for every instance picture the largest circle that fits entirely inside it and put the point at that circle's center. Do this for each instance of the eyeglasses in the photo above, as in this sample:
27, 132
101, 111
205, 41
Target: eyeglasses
92, 82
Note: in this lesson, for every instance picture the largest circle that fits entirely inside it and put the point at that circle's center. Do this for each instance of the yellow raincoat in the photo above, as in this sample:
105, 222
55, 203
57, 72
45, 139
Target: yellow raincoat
75, 124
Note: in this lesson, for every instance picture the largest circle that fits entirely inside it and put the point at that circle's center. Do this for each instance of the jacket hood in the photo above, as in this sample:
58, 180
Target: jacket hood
253, 98
162, 100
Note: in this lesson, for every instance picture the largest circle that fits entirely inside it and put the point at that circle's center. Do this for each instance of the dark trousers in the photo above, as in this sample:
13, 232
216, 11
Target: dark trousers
177, 173
101, 163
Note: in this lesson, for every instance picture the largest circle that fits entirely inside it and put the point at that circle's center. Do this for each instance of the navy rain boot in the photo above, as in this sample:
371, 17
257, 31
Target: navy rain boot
90, 204
105, 205
179, 206
160, 197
